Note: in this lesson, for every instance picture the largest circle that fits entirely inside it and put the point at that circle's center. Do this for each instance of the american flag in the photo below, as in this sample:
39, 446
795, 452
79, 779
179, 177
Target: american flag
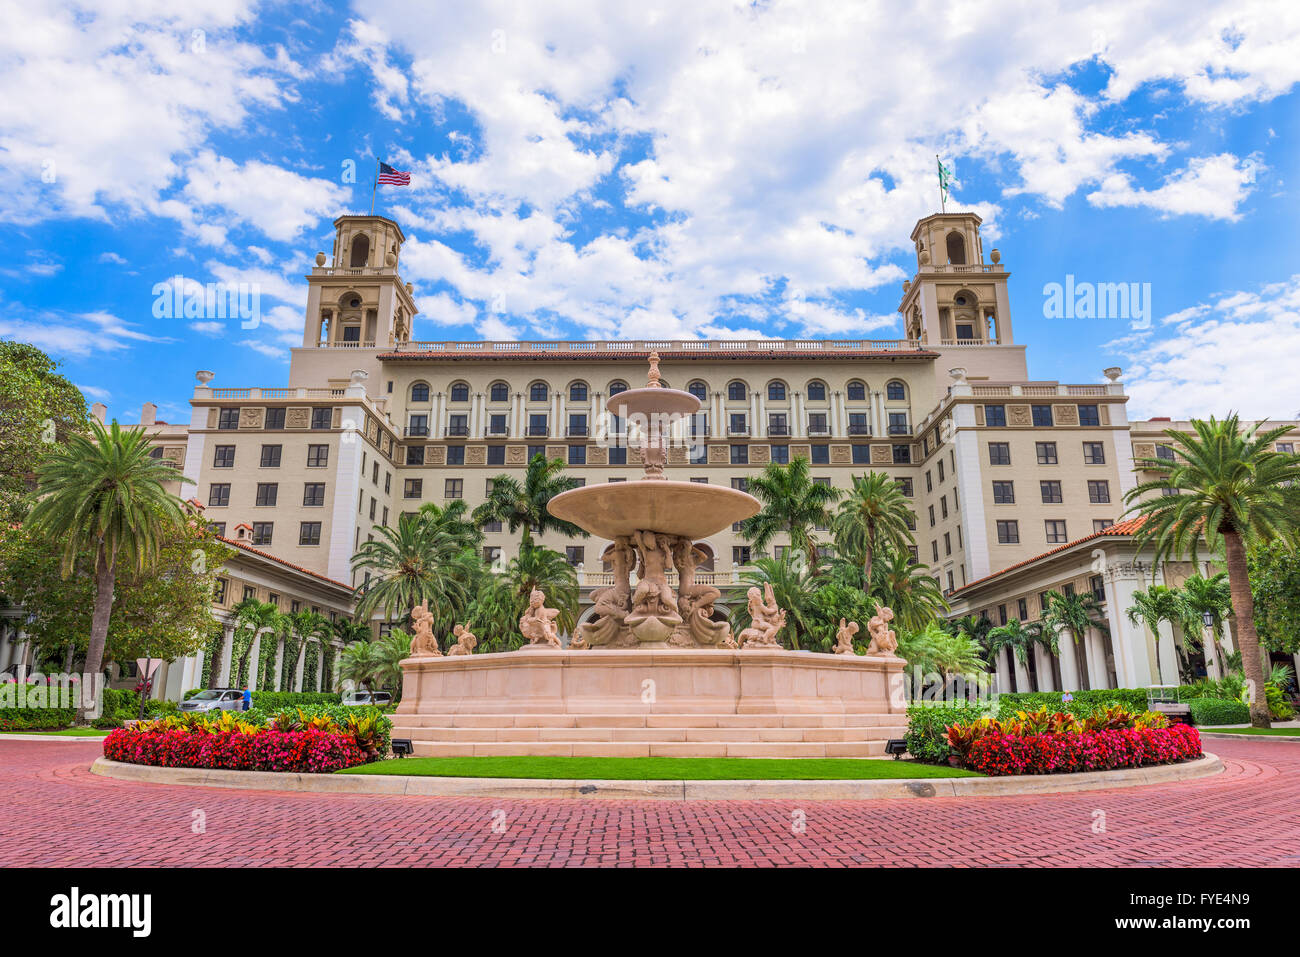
393, 177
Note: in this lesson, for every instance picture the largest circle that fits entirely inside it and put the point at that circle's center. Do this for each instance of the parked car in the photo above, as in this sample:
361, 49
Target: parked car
376, 698
215, 699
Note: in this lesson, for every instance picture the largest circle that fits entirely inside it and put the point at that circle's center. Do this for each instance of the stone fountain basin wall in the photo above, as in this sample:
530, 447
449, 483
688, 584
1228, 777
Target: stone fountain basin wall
685, 681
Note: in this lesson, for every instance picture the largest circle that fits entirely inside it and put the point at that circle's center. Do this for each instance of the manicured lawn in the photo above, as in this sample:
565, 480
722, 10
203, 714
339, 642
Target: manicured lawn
661, 769
66, 732
1276, 732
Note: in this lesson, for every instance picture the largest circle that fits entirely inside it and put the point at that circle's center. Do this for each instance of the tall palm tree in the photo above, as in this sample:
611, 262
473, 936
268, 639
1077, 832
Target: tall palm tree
454, 520
1156, 604
103, 491
975, 627
1017, 636
361, 663
906, 587
1200, 595
411, 563
1075, 613
253, 617
1228, 486
347, 630
299, 628
522, 505
389, 652
874, 516
793, 504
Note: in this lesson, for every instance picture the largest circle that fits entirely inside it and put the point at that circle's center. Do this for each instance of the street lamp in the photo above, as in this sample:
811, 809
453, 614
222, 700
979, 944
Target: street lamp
1207, 618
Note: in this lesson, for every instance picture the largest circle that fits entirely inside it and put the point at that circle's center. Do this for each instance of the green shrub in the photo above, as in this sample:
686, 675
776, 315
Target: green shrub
275, 700
927, 728
1085, 703
1207, 711
340, 714
36, 719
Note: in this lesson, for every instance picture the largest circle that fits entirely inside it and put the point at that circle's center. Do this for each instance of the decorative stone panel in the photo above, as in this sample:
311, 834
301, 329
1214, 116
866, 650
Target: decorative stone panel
435, 455
175, 454
212, 418
1019, 415
676, 455
1103, 413
251, 417
841, 455
882, 455
476, 455
979, 415
297, 417
801, 450
597, 455
1144, 450
336, 420
557, 451
719, 455
760, 454
516, 455
1065, 414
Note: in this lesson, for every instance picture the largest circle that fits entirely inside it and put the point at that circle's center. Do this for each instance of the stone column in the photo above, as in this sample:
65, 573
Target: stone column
561, 416
227, 666
476, 429
759, 428
1043, 668
298, 669
254, 659
1004, 669
799, 423
1134, 667
1022, 673
715, 425
556, 431
753, 414
1167, 656
1098, 676
1212, 664
279, 663
1069, 660
518, 424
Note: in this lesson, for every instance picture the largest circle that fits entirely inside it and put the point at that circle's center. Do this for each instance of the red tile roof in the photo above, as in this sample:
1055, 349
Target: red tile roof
1122, 529
298, 568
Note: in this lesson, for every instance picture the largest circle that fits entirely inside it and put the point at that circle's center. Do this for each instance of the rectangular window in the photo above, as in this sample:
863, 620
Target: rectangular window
309, 533
318, 456
999, 453
496, 455
817, 423
219, 591
455, 455
537, 424
374, 505
574, 554
940, 471
1088, 415
457, 425
267, 493
861, 454
454, 488
228, 419
497, 424
740, 455
274, 419
1008, 532
219, 528
898, 423
1051, 492
929, 482
740, 484
905, 485
271, 456
1022, 609
943, 505
617, 455
737, 425
1097, 585
1004, 493
418, 425
932, 516
1046, 452
223, 457
322, 418
1042, 415
415, 455
821, 454
740, 554
1099, 491
1101, 524
577, 455
1055, 531
781, 454
902, 454
577, 424
412, 488
262, 532
1002, 614
947, 543
858, 424
995, 415
219, 493
1094, 453
777, 424
313, 494
934, 549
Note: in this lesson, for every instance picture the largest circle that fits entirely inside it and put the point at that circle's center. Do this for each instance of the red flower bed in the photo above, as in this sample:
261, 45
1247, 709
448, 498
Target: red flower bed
310, 751
1061, 753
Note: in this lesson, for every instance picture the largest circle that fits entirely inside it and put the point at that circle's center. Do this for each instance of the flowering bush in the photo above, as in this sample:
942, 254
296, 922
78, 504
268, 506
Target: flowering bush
998, 752
311, 750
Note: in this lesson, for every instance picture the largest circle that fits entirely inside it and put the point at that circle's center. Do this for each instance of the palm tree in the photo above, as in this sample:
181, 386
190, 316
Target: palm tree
1156, 604
453, 519
1200, 595
936, 649
794, 586
104, 492
1017, 636
347, 630
1075, 612
1229, 486
360, 663
299, 628
389, 652
793, 504
874, 516
550, 572
975, 627
252, 618
523, 505
413, 563
906, 587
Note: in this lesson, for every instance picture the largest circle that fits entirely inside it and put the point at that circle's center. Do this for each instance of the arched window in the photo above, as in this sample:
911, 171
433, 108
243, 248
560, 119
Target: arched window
776, 391
698, 389
578, 392
360, 250
896, 391
817, 391
616, 387
538, 392
857, 391
500, 392
956, 249
460, 392
736, 391
420, 392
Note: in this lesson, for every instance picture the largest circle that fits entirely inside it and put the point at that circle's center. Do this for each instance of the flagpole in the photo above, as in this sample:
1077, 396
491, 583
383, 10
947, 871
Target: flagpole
943, 206
374, 191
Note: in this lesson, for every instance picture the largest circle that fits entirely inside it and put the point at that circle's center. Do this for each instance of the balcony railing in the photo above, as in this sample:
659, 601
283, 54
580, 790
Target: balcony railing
416, 431
775, 429
900, 430
718, 579
819, 429
539, 430
578, 431
791, 347
859, 430
738, 430
457, 431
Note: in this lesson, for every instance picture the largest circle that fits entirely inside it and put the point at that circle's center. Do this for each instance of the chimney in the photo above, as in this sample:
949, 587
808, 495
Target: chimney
148, 413
99, 410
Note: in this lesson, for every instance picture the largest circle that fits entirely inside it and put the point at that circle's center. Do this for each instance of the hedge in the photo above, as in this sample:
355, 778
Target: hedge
927, 728
275, 700
1218, 711
1083, 705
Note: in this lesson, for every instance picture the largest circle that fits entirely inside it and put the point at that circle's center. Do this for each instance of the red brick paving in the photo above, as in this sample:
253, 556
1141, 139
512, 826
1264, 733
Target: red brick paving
1250, 815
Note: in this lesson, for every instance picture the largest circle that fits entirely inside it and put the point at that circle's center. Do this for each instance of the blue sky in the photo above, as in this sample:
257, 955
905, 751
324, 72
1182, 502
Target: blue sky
680, 170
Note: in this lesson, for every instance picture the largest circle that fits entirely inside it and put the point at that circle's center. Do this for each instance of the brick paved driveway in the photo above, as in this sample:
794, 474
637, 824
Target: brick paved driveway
1248, 815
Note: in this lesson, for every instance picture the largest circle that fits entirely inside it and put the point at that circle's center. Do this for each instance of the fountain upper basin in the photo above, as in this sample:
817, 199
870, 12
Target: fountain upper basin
689, 509
654, 400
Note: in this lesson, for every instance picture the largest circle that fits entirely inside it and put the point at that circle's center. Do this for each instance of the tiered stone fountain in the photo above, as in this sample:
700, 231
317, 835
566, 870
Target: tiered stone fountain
653, 674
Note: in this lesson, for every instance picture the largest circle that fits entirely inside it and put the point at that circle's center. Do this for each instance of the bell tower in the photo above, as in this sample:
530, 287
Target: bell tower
356, 298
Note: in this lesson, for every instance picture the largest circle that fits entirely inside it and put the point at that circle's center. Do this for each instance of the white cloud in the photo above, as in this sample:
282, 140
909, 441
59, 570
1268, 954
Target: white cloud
95, 392
214, 329
112, 257
1237, 353
72, 334
1212, 186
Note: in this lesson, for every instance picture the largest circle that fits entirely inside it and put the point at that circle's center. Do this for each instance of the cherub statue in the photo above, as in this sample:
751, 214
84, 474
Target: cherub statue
768, 619
611, 604
423, 644
695, 601
844, 637
538, 622
656, 556
465, 641
883, 640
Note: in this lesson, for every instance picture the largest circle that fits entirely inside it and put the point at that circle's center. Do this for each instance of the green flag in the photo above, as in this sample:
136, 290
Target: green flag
945, 178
